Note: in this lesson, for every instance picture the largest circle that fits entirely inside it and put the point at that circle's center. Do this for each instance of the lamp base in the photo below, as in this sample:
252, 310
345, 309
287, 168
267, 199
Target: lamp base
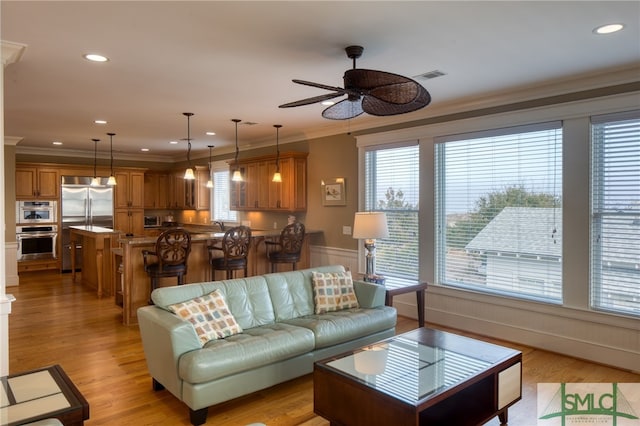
374, 278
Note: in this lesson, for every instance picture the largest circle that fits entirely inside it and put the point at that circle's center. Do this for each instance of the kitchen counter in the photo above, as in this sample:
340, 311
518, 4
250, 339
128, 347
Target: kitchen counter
134, 285
96, 268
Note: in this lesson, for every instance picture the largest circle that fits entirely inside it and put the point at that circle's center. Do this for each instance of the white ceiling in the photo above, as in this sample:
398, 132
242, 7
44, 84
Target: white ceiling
235, 59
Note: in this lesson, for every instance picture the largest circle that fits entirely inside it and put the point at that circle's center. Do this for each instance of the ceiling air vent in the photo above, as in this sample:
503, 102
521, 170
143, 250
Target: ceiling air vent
431, 74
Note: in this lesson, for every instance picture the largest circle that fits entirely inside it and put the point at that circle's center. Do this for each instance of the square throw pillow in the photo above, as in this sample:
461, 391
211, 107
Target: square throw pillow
333, 291
209, 315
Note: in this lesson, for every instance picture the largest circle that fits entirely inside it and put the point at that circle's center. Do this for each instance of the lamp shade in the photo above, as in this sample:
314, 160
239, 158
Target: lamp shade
370, 225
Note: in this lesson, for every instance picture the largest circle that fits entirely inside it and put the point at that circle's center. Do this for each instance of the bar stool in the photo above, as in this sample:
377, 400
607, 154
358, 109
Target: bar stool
169, 259
289, 246
234, 248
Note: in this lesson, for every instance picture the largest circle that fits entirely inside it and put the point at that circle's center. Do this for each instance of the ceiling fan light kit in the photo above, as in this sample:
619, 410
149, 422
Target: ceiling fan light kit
377, 93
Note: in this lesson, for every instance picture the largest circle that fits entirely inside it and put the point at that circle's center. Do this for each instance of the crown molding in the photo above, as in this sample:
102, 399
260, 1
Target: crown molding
12, 140
12, 52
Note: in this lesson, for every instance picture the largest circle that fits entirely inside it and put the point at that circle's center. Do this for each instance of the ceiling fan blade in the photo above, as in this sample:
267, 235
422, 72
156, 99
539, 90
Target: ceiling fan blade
344, 110
312, 100
385, 86
319, 85
369, 79
376, 106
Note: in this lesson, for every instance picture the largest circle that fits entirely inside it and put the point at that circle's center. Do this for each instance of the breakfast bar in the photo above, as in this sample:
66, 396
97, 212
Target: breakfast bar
135, 283
96, 267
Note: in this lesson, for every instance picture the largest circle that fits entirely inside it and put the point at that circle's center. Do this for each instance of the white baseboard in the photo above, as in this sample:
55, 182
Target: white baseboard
11, 264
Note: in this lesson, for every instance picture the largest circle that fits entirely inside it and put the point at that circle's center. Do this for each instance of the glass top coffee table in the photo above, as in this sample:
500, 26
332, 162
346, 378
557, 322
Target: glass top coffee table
423, 377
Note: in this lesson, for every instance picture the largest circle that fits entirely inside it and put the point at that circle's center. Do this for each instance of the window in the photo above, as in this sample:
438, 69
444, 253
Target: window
221, 203
615, 213
498, 211
391, 186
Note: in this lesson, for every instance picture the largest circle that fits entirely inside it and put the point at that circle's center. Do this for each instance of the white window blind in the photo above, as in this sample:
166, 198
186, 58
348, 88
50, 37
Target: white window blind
221, 204
615, 213
498, 211
392, 186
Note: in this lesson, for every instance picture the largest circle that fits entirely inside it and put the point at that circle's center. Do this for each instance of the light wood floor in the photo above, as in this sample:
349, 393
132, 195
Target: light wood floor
56, 322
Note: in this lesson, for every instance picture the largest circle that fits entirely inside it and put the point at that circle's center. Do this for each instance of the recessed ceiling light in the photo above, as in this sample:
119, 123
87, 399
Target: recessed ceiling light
94, 57
327, 103
173, 142
210, 133
56, 143
100, 121
608, 29
144, 149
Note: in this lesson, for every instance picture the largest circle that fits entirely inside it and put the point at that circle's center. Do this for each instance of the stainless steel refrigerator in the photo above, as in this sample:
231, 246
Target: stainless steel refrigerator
83, 204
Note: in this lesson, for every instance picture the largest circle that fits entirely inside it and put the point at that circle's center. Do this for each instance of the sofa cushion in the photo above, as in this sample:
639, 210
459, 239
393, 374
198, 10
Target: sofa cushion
247, 298
341, 326
333, 291
209, 315
253, 348
292, 293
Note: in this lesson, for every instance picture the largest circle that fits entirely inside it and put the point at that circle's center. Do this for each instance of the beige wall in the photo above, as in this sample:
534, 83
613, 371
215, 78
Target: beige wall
332, 157
10, 192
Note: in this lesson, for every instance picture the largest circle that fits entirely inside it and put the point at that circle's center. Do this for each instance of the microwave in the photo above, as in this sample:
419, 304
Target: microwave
36, 212
152, 221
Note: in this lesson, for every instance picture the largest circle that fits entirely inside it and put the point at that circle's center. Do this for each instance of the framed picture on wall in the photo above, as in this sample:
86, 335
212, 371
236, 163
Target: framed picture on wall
333, 192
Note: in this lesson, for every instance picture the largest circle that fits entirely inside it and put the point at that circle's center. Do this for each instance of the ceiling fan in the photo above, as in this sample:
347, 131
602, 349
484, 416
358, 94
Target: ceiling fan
374, 92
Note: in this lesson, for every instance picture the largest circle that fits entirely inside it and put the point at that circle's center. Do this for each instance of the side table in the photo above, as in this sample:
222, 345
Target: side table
41, 394
395, 286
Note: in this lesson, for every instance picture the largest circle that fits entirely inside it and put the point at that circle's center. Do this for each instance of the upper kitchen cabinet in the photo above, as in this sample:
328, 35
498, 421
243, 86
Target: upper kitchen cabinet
257, 191
129, 192
190, 194
157, 190
37, 182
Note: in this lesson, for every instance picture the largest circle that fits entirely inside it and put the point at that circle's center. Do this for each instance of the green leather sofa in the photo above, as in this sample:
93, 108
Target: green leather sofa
282, 336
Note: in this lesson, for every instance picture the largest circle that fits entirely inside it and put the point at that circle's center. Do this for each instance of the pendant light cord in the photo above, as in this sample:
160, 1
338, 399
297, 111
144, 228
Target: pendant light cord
188, 114
111, 135
95, 156
236, 120
277, 126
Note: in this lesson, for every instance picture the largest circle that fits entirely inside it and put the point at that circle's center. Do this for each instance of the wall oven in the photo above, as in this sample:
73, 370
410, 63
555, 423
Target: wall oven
36, 212
37, 242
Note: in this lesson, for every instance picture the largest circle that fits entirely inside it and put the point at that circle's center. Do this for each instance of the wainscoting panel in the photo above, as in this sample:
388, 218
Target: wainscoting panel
588, 335
321, 255
11, 264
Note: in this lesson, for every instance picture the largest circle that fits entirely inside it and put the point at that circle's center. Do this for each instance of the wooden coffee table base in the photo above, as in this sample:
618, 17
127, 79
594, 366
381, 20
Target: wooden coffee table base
346, 400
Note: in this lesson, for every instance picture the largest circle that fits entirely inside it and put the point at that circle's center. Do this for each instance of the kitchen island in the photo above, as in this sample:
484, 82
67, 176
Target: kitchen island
134, 282
96, 267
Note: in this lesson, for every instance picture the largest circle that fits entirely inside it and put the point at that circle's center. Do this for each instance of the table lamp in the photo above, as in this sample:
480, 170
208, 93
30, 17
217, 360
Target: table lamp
368, 226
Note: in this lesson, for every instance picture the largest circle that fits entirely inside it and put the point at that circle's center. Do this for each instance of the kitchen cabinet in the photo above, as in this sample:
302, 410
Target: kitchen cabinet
128, 214
157, 191
190, 194
129, 221
33, 182
129, 192
257, 192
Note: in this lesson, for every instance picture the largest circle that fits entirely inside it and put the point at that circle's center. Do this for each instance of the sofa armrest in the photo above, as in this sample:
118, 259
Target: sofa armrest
165, 338
369, 295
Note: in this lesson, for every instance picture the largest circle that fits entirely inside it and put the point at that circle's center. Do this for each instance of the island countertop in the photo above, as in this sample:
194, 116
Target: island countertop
203, 235
93, 229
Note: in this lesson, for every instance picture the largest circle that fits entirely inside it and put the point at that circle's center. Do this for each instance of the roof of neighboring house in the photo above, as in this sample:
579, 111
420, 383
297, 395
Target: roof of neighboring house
522, 230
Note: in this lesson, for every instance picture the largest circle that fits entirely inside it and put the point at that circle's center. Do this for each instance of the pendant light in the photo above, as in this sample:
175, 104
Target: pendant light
210, 182
277, 177
112, 178
188, 174
237, 176
96, 180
